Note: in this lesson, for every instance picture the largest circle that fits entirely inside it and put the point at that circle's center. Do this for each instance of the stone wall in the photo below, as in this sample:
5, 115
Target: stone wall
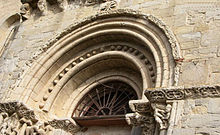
198, 117
8, 8
195, 23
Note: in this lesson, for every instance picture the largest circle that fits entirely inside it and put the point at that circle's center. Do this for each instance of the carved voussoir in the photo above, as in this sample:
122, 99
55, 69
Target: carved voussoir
181, 93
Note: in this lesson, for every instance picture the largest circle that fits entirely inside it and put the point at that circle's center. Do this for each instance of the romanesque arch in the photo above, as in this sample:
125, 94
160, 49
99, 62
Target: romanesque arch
120, 45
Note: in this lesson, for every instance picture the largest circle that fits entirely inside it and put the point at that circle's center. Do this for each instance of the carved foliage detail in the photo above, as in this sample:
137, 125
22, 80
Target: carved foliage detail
20, 109
17, 119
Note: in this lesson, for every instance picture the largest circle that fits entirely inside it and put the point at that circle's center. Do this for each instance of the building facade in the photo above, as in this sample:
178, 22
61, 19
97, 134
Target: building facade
110, 67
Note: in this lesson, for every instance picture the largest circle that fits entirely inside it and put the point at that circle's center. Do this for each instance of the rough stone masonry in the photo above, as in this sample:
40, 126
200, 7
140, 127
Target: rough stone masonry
168, 51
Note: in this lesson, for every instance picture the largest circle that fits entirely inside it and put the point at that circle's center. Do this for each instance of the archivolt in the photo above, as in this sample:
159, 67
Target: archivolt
125, 39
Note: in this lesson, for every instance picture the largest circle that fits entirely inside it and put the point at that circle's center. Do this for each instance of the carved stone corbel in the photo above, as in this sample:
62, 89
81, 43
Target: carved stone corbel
147, 114
146, 122
143, 116
162, 114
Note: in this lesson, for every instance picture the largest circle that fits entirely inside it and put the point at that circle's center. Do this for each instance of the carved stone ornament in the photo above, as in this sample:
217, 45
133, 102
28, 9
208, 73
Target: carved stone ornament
181, 93
146, 122
162, 114
143, 116
108, 5
42, 5
25, 11
140, 106
66, 124
17, 119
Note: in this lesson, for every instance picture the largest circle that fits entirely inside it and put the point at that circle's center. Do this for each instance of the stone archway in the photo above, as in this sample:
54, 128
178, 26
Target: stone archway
121, 44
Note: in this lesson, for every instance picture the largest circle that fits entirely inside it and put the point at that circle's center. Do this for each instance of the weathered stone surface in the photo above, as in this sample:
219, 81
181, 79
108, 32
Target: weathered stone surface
182, 131
205, 120
207, 131
213, 106
195, 24
218, 52
197, 73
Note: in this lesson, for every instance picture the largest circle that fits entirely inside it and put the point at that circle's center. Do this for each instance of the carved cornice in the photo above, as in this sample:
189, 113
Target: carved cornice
27, 120
181, 93
20, 109
65, 124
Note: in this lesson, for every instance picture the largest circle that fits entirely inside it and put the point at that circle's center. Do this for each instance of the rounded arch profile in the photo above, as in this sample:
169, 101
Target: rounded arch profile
121, 45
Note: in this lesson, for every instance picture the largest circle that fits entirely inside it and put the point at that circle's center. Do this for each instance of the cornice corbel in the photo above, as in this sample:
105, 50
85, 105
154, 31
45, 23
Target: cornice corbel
142, 116
146, 122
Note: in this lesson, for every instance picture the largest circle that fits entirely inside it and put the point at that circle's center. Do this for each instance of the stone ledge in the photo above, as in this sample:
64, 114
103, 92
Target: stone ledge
182, 93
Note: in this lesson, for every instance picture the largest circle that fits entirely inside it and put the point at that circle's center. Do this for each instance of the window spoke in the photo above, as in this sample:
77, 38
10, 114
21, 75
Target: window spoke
110, 98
